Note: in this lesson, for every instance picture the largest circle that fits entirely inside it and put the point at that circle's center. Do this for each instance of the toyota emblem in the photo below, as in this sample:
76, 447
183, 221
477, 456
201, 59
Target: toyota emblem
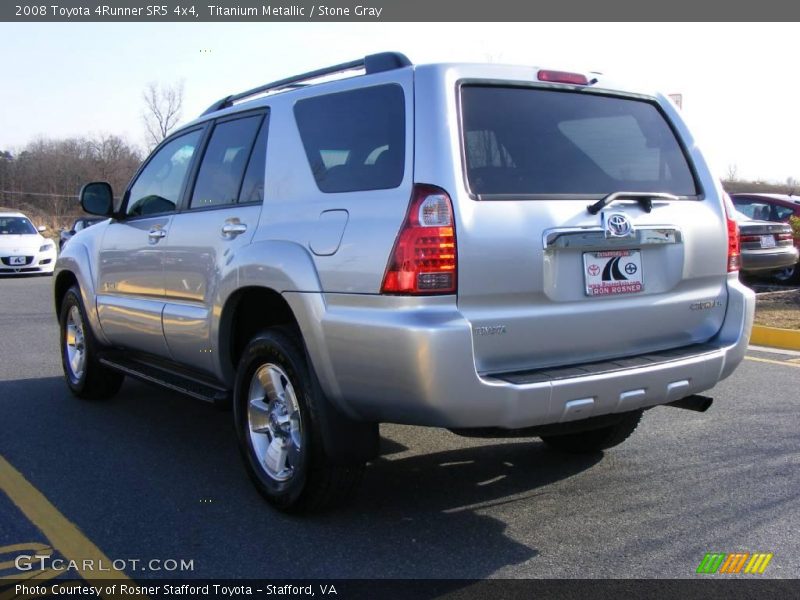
617, 225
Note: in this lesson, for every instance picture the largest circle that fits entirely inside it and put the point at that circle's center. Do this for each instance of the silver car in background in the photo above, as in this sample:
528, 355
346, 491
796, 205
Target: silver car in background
497, 250
767, 247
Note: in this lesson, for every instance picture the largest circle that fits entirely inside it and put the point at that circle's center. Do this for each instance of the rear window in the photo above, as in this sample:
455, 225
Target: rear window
354, 140
532, 141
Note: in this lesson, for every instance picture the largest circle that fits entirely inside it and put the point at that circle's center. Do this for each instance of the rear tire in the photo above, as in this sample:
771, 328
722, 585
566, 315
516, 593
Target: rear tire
787, 275
86, 377
276, 408
587, 442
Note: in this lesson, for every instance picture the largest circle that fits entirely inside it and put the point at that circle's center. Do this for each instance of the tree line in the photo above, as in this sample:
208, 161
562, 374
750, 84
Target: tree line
43, 178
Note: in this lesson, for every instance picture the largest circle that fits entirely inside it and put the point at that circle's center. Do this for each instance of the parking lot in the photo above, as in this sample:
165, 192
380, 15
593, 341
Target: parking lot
151, 475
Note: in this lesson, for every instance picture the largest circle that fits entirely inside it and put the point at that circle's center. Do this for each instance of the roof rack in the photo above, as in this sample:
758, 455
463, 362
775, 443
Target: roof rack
373, 63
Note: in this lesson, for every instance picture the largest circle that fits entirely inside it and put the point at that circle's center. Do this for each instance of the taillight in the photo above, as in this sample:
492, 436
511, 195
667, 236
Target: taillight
749, 238
424, 258
734, 251
782, 237
562, 77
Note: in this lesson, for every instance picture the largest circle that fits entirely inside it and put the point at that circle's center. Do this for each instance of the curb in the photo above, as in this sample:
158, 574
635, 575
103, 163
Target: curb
788, 339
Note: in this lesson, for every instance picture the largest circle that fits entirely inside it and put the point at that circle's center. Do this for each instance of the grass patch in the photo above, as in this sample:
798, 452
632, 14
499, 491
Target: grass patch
779, 309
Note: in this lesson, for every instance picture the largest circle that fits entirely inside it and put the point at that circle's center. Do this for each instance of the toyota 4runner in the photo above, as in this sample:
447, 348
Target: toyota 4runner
497, 250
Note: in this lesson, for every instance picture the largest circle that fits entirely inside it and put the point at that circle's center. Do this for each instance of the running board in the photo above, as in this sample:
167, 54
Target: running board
185, 384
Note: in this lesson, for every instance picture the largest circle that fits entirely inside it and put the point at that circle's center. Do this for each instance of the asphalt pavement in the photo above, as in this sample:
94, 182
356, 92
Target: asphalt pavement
155, 475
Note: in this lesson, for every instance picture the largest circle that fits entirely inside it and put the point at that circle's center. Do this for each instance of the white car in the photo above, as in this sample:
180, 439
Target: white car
23, 249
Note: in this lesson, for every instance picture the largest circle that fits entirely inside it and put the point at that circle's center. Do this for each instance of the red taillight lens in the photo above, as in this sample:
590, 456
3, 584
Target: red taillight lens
734, 251
782, 237
562, 77
749, 238
424, 258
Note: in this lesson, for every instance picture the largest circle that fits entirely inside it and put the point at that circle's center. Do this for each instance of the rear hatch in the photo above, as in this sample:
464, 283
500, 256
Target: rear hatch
542, 279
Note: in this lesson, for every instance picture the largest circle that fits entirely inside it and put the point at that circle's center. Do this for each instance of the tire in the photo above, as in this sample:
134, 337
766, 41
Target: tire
787, 275
587, 442
276, 409
85, 376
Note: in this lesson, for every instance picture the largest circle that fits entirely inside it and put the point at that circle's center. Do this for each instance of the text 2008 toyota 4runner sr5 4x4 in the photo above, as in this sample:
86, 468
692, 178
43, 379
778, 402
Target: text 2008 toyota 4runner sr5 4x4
484, 248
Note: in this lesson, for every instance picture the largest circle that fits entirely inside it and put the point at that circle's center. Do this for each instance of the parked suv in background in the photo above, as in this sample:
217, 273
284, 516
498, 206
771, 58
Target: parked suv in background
497, 250
772, 207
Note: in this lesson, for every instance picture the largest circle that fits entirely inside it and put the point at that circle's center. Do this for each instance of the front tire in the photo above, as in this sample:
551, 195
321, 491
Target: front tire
86, 377
594, 440
277, 415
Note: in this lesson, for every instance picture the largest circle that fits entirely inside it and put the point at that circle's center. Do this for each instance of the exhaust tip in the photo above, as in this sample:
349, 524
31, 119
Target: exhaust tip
695, 402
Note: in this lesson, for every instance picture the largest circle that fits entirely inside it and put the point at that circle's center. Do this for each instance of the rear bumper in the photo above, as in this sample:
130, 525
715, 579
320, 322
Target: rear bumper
415, 366
769, 260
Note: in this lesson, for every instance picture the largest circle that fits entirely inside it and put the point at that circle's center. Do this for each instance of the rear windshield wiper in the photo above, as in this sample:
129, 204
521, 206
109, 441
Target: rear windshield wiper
645, 200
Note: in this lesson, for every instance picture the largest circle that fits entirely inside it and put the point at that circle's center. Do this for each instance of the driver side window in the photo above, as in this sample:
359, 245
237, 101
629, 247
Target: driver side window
158, 187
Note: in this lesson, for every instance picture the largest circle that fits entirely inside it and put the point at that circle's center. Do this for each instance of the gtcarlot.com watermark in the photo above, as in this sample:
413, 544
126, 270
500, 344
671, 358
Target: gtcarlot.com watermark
38, 562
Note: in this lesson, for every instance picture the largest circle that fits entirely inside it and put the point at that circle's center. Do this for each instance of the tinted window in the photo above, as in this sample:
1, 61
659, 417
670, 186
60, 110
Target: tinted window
355, 140
529, 141
158, 187
253, 184
224, 162
16, 226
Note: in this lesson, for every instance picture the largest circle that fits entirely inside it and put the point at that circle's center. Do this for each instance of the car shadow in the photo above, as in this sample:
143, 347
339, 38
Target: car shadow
151, 473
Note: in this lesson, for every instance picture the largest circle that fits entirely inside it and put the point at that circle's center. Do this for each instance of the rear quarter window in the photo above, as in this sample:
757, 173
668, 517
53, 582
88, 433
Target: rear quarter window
354, 140
533, 141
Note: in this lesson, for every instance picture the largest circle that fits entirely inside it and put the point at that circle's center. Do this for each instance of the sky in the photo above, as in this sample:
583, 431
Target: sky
740, 82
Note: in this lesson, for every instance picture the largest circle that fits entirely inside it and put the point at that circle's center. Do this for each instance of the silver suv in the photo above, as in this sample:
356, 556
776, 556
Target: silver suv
497, 250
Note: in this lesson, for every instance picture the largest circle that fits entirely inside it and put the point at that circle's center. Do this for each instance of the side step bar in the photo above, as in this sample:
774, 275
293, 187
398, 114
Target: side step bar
185, 384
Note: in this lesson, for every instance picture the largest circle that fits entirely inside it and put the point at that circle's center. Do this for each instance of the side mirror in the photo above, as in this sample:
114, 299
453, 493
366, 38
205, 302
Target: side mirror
97, 198
41, 229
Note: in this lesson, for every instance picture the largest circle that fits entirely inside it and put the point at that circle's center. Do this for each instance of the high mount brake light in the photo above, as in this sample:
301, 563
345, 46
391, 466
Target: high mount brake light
424, 259
562, 77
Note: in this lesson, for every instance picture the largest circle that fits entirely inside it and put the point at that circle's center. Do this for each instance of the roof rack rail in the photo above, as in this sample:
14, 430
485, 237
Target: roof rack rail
373, 63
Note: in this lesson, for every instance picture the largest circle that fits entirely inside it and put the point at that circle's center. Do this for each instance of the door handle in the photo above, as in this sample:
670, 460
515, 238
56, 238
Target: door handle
156, 234
233, 229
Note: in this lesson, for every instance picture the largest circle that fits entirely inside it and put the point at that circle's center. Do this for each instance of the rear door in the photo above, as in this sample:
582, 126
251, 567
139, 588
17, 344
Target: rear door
219, 217
542, 279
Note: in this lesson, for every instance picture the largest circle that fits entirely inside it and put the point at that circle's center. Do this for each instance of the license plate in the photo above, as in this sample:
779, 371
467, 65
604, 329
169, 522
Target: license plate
16, 260
613, 272
767, 241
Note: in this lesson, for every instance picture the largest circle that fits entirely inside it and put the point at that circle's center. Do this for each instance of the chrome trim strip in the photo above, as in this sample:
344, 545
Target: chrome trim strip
592, 237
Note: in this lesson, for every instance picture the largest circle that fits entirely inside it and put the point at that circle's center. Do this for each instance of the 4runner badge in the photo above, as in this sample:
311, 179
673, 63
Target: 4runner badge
491, 330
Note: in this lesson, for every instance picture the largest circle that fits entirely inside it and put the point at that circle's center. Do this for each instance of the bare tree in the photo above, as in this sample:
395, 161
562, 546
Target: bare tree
163, 105
792, 184
732, 174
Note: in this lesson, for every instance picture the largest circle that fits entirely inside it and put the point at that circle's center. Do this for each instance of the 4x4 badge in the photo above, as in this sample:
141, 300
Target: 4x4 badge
616, 225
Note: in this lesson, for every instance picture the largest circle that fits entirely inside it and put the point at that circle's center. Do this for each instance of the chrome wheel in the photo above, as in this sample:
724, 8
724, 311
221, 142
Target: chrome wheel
274, 422
75, 344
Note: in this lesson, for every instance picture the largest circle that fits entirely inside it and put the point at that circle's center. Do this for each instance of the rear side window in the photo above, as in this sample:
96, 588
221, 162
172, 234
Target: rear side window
533, 141
354, 140
224, 162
